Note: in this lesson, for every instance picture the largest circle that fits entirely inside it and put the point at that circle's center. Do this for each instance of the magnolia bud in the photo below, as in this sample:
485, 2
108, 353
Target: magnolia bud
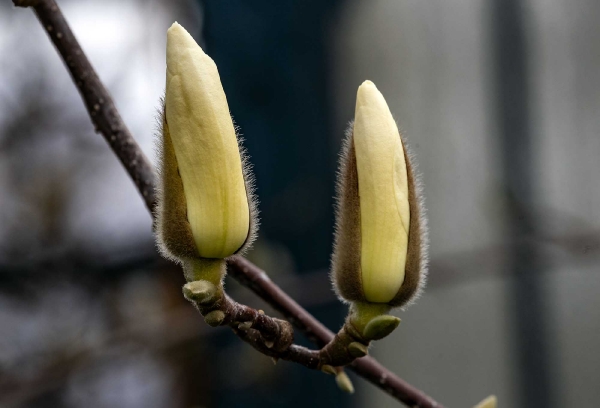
380, 242
205, 209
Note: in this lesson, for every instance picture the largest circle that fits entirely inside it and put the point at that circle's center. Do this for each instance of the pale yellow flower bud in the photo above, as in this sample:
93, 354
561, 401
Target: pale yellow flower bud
206, 148
381, 239
383, 194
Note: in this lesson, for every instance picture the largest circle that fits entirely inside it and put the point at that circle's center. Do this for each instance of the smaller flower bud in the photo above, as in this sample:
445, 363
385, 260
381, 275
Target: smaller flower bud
380, 242
206, 210
344, 383
380, 327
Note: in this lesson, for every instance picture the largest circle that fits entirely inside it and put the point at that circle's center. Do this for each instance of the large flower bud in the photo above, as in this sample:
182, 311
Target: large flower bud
205, 206
380, 242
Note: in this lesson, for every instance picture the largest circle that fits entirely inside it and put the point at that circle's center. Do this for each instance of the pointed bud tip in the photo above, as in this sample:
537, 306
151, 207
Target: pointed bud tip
177, 29
368, 94
176, 26
366, 85
178, 39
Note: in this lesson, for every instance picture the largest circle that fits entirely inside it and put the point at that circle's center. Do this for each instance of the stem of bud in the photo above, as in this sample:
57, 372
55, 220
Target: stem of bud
211, 270
361, 313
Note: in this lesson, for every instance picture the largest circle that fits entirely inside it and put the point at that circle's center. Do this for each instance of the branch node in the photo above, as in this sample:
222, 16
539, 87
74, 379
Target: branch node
285, 337
244, 326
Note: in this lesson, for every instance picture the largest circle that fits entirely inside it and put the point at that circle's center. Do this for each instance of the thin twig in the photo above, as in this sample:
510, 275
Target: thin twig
106, 120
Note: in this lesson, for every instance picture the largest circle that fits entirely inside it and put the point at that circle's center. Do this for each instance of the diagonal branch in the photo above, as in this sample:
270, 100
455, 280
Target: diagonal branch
108, 122
98, 102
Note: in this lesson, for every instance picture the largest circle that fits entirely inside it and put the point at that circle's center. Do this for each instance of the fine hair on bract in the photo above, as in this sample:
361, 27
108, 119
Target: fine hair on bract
346, 257
174, 236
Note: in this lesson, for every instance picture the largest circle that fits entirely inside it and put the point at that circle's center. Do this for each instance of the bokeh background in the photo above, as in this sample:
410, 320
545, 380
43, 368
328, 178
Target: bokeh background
500, 102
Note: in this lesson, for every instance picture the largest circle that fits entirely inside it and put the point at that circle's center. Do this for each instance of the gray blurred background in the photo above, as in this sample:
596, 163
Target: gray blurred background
500, 102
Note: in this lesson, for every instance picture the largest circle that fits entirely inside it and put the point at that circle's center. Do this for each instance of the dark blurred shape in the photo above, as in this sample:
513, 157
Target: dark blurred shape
529, 305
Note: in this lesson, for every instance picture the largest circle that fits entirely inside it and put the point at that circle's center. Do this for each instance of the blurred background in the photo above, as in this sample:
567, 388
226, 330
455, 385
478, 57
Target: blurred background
500, 102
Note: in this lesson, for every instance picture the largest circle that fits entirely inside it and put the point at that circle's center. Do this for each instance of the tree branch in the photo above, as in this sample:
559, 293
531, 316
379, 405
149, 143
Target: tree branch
259, 282
250, 325
98, 102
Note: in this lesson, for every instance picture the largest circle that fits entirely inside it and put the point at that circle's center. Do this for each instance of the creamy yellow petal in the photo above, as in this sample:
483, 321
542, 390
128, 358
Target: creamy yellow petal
489, 402
206, 148
383, 192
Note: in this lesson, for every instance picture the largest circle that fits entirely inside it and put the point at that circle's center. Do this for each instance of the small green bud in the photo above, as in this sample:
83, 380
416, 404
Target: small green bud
380, 326
201, 291
370, 321
344, 382
214, 318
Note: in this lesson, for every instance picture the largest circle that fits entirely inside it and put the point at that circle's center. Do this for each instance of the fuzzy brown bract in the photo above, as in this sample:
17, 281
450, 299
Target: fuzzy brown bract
249, 183
415, 275
174, 234
345, 261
